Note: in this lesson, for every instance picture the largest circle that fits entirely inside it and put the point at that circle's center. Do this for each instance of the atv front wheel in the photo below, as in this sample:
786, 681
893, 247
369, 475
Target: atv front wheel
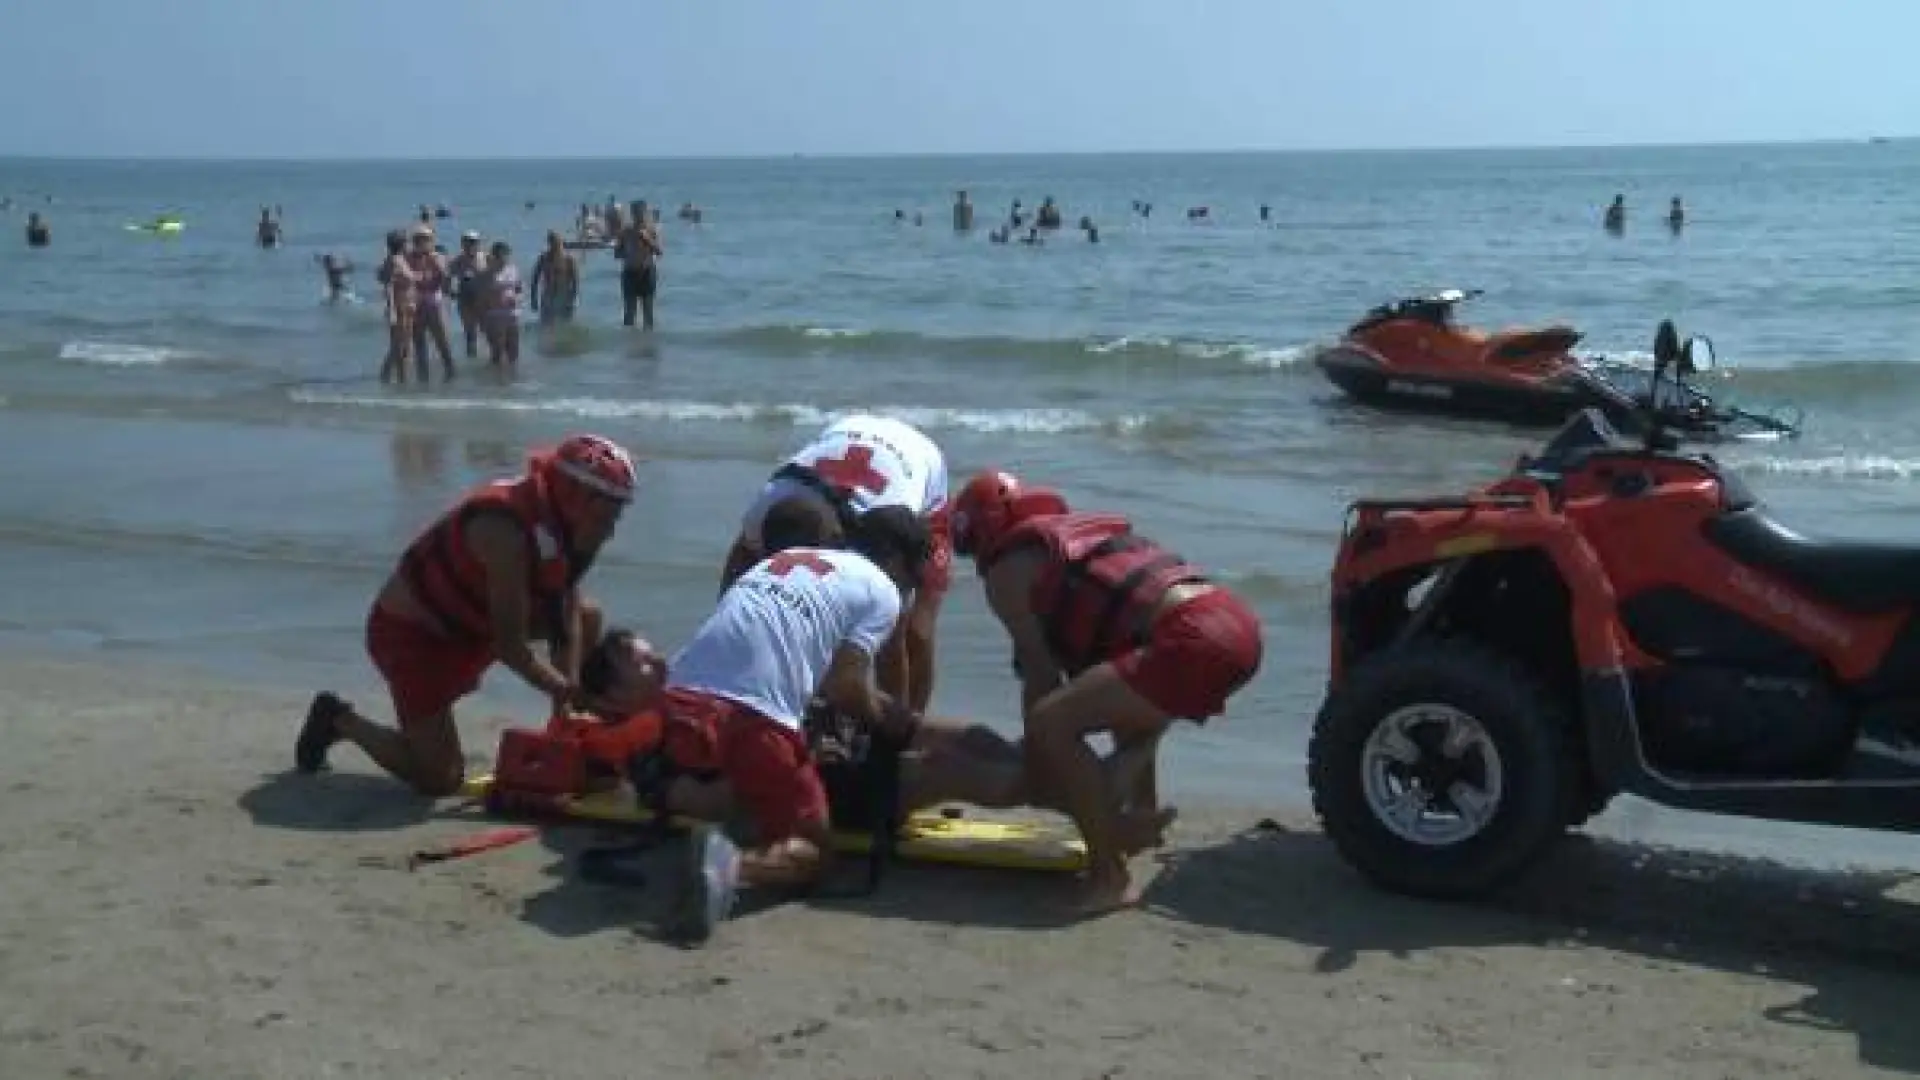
1441, 769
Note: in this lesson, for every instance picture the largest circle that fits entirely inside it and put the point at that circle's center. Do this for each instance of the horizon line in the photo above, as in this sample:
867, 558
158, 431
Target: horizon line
848, 155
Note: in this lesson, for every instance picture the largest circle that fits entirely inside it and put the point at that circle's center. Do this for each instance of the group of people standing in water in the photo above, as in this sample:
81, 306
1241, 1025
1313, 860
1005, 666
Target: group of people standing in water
483, 284
417, 279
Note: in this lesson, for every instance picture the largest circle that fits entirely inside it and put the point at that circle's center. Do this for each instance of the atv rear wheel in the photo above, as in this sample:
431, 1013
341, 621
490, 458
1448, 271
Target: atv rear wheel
1441, 769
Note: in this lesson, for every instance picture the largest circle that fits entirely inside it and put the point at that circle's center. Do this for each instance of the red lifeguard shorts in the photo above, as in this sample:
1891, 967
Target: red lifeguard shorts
425, 672
767, 763
1198, 654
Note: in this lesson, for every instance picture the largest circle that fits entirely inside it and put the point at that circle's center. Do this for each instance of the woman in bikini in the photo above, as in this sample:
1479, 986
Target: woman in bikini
398, 283
429, 313
500, 285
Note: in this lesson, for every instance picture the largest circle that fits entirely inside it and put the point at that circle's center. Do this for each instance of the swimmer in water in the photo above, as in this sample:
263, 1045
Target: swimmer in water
1676, 215
399, 285
500, 294
556, 282
336, 270
429, 315
267, 233
1616, 218
639, 251
466, 268
39, 235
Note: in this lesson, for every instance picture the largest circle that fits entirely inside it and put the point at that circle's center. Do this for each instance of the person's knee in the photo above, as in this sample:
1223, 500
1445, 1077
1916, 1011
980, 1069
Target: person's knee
1048, 731
435, 767
437, 780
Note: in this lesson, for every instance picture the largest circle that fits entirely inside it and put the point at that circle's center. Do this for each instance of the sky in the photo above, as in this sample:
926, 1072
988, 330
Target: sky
648, 78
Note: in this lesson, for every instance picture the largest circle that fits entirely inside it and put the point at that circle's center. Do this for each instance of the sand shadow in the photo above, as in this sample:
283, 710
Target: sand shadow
576, 905
334, 802
1837, 933
956, 895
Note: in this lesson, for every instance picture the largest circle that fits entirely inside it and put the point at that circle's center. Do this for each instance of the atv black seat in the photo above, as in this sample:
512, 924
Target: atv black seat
1854, 575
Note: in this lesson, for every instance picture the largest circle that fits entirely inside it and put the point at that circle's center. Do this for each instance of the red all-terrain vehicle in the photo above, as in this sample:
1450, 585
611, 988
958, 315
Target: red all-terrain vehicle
1614, 616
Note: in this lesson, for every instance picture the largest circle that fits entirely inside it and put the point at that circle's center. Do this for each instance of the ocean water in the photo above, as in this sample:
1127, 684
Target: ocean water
196, 460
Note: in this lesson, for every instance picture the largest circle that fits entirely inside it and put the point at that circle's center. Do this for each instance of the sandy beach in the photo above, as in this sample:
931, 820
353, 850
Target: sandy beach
177, 906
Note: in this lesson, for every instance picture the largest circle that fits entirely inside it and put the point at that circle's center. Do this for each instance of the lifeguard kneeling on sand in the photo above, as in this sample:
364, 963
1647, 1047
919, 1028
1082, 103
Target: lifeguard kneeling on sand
496, 573
1111, 632
807, 620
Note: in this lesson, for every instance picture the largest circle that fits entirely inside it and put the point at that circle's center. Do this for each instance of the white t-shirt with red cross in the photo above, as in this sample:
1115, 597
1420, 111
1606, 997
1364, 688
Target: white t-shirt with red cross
879, 461
772, 638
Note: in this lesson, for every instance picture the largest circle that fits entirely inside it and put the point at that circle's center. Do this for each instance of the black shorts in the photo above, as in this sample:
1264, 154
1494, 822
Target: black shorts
639, 282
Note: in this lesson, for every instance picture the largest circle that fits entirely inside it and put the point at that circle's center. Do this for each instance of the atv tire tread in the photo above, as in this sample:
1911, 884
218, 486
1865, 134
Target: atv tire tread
1546, 787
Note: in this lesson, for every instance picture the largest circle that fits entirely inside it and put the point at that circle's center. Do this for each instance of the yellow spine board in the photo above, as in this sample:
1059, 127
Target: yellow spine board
926, 837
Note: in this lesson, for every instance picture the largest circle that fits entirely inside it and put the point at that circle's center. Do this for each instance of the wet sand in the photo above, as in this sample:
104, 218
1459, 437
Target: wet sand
177, 905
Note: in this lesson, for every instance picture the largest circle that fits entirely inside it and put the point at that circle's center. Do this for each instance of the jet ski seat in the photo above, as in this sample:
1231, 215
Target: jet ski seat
1510, 345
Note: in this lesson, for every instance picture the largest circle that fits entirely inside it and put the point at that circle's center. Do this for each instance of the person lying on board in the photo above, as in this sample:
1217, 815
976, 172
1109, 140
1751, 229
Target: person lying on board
1111, 632
624, 680
623, 684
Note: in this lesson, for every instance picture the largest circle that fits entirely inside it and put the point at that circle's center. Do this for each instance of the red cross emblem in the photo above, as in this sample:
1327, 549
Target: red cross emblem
782, 564
852, 471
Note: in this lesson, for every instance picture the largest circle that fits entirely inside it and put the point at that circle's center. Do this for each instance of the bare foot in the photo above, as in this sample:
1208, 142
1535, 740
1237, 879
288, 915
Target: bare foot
1141, 830
1105, 894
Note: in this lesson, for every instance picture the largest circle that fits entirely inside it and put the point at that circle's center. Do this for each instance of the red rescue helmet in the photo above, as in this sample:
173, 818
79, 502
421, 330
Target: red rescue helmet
583, 468
991, 504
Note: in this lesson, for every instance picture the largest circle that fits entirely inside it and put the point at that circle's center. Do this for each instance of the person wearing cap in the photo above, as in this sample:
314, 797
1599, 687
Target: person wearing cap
466, 269
431, 283
496, 573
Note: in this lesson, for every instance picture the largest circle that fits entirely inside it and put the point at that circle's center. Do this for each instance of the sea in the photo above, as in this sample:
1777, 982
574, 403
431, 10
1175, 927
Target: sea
199, 465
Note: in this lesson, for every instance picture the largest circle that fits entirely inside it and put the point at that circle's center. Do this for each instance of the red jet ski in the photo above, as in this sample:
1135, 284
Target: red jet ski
1411, 355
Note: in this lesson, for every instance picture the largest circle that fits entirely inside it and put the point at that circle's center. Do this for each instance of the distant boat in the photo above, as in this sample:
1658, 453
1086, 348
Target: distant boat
1878, 140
